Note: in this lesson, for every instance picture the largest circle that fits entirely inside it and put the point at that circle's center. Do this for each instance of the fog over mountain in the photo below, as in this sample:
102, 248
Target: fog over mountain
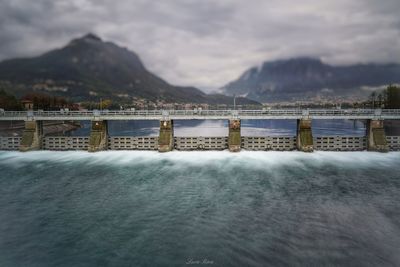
89, 68
302, 79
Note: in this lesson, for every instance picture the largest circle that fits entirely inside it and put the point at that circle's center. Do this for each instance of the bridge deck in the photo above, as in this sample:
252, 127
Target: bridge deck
388, 114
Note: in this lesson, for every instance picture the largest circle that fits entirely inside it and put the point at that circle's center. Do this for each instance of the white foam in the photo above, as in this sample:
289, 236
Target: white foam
179, 158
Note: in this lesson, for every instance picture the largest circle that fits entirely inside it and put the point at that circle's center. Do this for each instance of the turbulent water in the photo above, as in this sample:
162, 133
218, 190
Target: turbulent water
199, 208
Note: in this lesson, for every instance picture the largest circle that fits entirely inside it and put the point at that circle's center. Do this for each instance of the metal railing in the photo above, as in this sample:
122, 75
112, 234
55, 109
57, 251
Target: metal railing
131, 114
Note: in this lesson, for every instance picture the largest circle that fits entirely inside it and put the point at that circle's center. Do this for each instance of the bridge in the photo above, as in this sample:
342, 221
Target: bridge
99, 139
268, 114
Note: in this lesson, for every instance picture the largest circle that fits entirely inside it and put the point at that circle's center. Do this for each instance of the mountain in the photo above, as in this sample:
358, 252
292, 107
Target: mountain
301, 79
89, 68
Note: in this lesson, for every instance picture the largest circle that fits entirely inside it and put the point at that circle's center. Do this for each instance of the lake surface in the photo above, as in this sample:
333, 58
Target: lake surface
220, 128
142, 208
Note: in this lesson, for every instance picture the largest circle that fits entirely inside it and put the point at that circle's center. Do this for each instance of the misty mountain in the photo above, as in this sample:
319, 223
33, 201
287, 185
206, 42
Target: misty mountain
89, 68
301, 79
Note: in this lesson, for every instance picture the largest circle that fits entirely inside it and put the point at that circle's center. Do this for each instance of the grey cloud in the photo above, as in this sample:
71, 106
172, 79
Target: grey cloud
209, 43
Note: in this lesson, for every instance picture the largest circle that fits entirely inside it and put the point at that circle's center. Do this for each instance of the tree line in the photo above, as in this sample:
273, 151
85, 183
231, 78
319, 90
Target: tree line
388, 98
39, 101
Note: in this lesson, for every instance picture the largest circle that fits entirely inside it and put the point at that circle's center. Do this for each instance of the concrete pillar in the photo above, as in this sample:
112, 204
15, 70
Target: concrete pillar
32, 136
304, 141
376, 137
234, 138
166, 137
98, 139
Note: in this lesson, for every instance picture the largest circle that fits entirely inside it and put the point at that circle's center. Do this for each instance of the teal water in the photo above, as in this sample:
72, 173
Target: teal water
199, 208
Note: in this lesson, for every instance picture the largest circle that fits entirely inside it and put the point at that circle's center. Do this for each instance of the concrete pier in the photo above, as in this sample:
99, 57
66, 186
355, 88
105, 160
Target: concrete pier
166, 137
32, 136
98, 139
304, 136
376, 137
234, 138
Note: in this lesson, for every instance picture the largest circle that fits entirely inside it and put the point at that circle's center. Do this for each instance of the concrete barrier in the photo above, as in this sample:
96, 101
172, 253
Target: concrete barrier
65, 143
234, 137
304, 137
376, 137
276, 143
10, 143
201, 143
133, 143
340, 143
393, 143
166, 137
31, 136
98, 139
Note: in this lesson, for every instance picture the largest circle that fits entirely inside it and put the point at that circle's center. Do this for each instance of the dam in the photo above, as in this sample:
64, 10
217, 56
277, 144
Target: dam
32, 138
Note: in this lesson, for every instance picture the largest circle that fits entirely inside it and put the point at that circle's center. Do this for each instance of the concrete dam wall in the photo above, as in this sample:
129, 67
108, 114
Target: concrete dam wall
273, 143
33, 137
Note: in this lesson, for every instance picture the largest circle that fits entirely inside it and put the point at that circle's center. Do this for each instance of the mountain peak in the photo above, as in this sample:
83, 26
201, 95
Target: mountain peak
91, 36
87, 38
89, 68
302, 78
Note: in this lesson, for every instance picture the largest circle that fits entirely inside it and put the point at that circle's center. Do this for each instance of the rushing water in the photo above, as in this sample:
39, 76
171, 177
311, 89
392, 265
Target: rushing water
199, 208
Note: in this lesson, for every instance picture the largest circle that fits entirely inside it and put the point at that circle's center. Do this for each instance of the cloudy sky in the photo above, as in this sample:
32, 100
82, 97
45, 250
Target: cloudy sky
207, 43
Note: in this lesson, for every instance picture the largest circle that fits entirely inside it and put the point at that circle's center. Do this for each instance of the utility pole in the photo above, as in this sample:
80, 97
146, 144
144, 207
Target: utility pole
234, 102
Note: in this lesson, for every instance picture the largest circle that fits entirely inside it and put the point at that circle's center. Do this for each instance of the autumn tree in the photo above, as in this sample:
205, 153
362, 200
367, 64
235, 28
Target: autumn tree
105, 104
47, 102
392, 97
9, 102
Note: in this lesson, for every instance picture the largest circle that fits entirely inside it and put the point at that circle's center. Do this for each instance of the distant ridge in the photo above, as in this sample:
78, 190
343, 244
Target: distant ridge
307, 78
89, 68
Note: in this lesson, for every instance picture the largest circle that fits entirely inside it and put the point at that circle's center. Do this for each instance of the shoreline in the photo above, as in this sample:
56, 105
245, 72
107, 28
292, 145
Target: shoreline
16, 128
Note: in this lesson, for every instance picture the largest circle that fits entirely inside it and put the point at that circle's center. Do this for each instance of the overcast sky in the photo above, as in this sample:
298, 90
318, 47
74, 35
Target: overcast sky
207, 43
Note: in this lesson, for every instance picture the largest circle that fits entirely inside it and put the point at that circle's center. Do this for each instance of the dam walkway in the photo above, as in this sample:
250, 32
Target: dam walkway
267, 114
